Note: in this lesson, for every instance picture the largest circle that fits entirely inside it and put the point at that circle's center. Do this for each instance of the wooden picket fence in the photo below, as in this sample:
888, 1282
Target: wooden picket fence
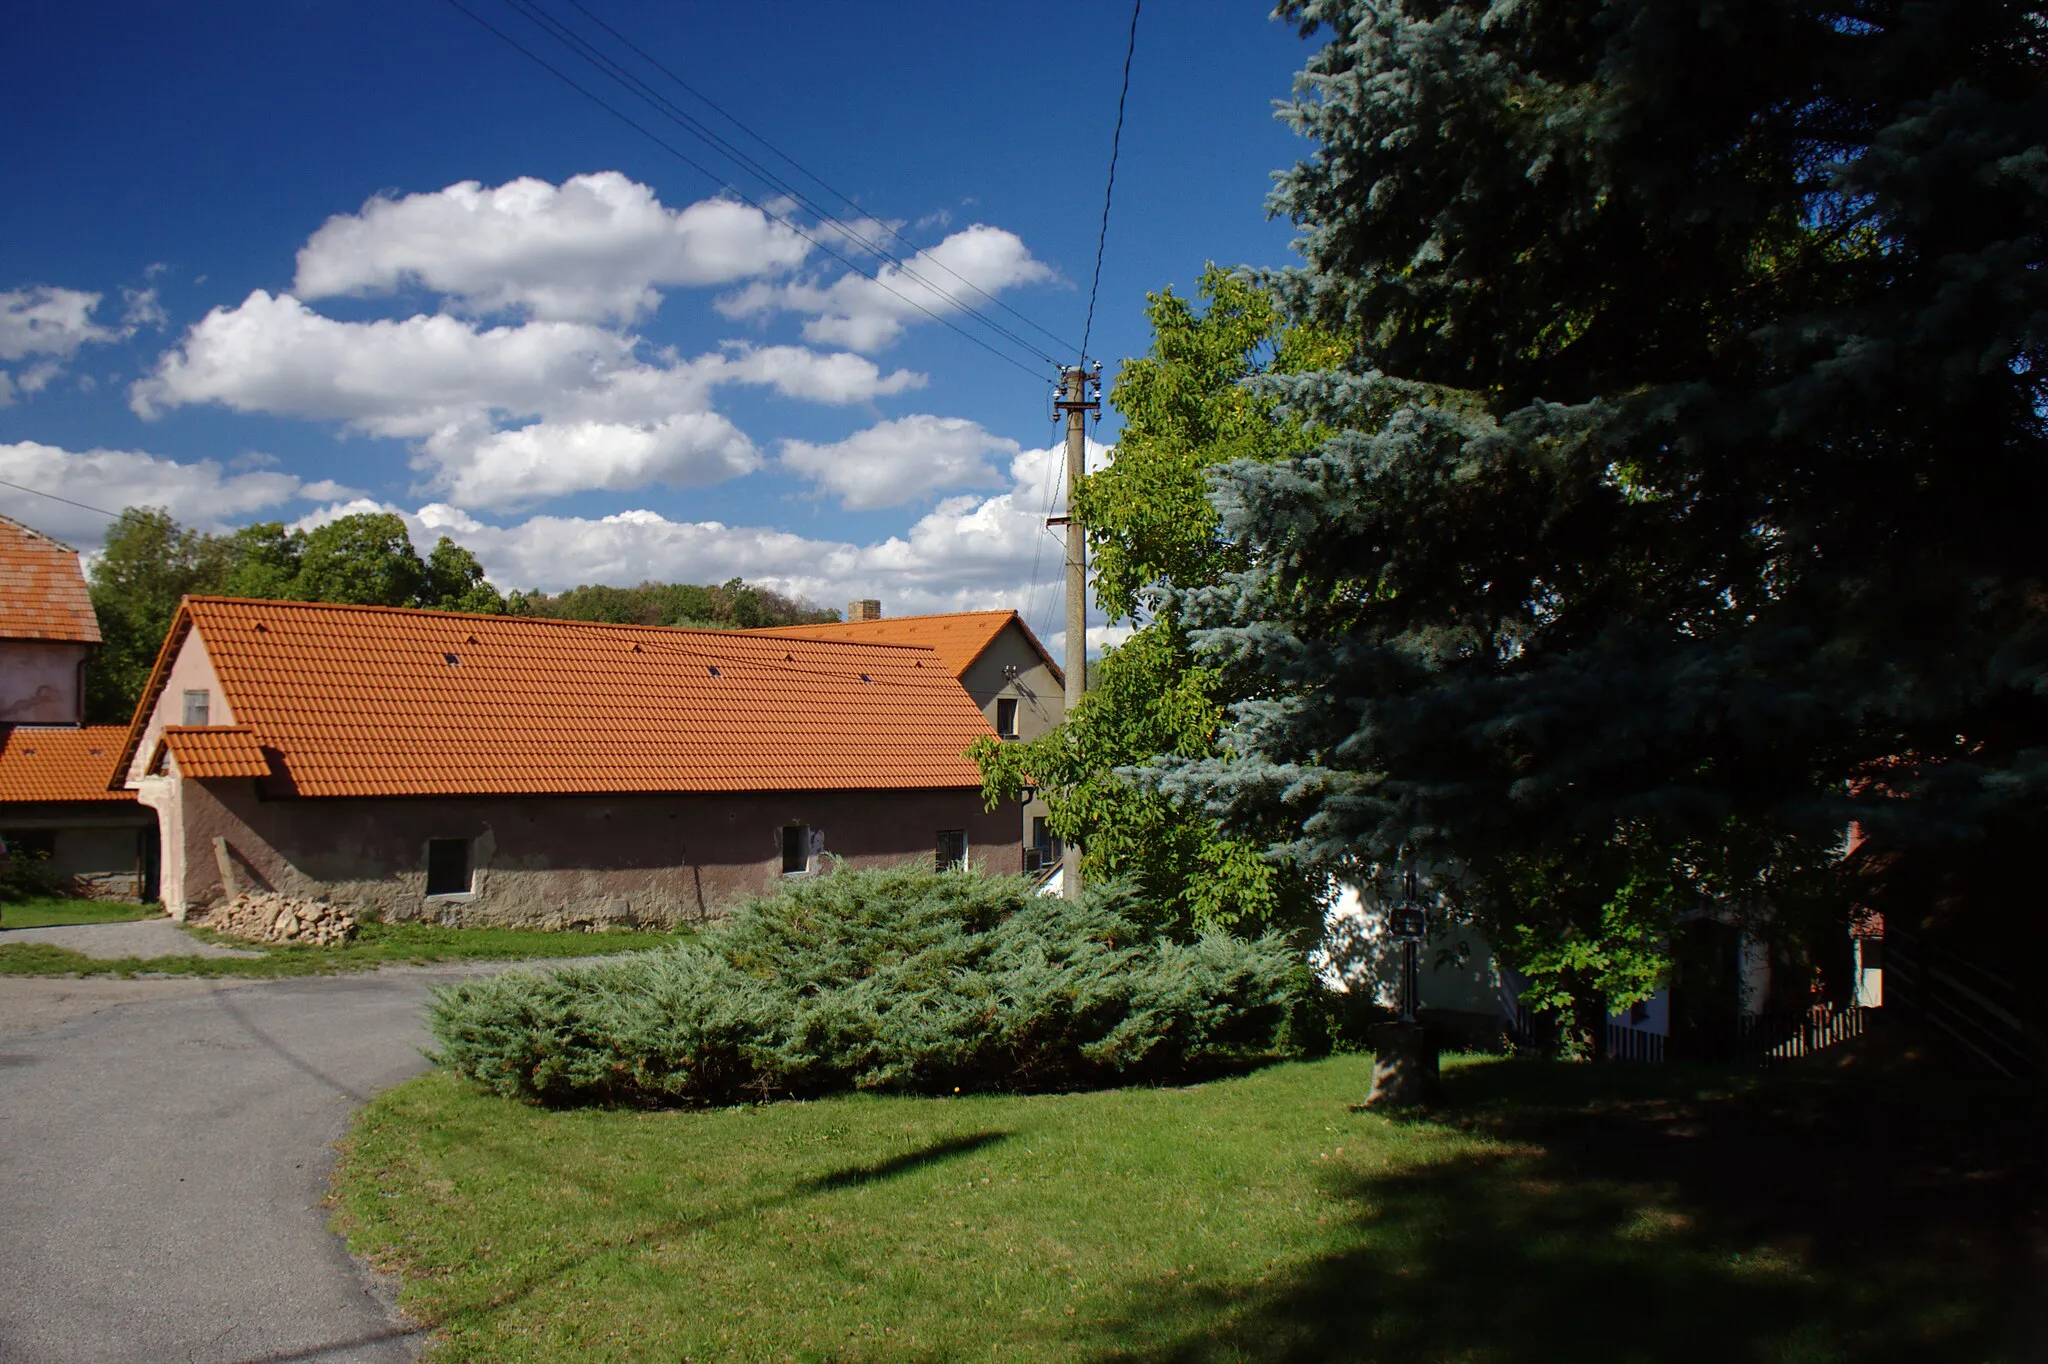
1759, 1040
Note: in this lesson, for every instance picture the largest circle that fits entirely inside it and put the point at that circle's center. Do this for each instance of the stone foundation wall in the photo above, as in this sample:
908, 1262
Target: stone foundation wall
550, 861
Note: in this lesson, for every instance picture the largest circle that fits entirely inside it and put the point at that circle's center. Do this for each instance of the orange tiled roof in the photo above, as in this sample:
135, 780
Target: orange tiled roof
957, 637
60, 764
212, 751
364, 700
42, 588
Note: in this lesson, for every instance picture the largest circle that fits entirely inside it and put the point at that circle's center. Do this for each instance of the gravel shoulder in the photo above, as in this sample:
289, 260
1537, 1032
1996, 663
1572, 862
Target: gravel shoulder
138, 938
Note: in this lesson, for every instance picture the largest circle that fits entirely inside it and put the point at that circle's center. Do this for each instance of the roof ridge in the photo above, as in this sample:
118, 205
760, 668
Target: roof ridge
660, 631
891, 620
39, 534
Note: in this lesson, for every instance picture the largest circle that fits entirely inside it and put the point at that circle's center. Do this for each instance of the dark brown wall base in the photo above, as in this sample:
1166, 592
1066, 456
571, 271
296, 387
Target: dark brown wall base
560, 861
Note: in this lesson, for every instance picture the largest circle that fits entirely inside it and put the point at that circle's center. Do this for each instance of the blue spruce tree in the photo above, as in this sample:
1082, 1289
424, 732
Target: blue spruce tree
1690, 460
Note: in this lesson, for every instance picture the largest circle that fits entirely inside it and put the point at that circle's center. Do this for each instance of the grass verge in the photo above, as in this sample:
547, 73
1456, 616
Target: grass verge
54, 912
375, 945
1546, 1213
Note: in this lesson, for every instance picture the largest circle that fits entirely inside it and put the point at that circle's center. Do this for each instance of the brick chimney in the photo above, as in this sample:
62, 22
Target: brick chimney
865, 609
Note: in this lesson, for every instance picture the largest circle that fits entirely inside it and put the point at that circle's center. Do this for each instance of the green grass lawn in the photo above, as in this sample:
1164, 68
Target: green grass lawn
54, 912
1546, 1212
374, 945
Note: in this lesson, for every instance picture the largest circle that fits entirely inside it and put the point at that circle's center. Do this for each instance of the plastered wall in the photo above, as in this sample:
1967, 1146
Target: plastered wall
191, 670
544, 861
39, 682
1040, 696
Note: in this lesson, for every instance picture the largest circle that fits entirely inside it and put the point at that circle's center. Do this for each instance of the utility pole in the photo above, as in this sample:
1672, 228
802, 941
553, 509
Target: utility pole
1074, 401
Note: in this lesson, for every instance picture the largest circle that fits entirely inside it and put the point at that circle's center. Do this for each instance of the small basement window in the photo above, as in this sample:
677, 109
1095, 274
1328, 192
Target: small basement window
1006, 716
198, 705
952, 852
796, 849
448, 871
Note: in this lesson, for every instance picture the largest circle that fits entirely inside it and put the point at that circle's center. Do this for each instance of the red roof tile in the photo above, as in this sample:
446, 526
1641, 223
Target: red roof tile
60, 764
42, 588
209, 751
361, 700
958, 637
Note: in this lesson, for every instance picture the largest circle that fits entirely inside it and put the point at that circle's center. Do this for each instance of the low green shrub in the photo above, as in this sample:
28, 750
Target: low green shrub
900, 980
24, 876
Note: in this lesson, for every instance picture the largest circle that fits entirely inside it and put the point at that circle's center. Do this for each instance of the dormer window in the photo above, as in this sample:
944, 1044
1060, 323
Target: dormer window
198, 706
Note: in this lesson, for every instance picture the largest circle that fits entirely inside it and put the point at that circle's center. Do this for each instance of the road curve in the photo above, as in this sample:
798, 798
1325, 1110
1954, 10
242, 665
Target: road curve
162, 1166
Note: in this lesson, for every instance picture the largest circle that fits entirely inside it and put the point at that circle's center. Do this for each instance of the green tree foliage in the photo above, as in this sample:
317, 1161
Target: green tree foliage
453, 580
150, 562
1684, 474
1186, 409
1152, 530
898, 980
731, 605
365, 560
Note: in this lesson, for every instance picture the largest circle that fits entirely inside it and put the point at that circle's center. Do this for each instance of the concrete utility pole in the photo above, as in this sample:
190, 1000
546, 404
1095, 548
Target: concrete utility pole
1074, 401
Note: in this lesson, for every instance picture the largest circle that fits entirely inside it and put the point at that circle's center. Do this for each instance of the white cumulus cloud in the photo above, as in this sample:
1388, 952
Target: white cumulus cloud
547, 459
200, 493
870, 314
594, 248
899, 461
500, 416
50, 325
967, 553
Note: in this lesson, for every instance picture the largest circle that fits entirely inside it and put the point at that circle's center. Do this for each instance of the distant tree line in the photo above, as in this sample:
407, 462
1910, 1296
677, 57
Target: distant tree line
150, 562
732, 605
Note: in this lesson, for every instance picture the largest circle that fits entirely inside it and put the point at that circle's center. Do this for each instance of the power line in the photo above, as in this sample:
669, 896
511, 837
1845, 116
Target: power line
808, 174
607, 65
84, 506
1115, 143
745, 198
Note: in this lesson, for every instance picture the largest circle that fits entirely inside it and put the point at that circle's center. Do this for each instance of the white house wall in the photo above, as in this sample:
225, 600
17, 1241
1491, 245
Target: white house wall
1359, 953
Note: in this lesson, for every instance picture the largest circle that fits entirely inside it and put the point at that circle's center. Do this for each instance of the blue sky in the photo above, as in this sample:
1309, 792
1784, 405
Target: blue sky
274, 261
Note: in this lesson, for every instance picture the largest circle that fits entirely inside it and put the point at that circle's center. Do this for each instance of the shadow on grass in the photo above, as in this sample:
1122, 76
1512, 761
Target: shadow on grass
551, 1272
1657, 1214
855, 1175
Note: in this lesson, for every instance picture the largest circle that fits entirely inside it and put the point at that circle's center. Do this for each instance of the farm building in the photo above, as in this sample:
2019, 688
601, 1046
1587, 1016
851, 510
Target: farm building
508, 770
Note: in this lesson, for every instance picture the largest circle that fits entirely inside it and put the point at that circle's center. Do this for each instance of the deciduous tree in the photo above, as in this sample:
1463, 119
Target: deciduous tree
1152, 531
150, 561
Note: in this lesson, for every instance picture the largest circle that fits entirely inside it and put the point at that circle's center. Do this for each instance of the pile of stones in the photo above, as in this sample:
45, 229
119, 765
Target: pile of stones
267, 916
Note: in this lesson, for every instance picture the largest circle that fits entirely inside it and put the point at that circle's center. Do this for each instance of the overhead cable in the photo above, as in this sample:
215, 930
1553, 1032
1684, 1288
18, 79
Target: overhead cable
609, 66
738, 193
1108, 189
38, 492
810, 175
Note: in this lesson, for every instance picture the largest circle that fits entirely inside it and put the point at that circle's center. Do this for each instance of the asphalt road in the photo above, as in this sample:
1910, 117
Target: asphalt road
162, 1166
